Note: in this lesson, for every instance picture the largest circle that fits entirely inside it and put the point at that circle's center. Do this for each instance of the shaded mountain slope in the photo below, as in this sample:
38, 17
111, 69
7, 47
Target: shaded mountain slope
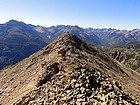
69, 71
17, 41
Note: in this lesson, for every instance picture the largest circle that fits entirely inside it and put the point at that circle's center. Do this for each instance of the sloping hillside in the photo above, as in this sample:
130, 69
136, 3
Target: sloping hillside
69, 71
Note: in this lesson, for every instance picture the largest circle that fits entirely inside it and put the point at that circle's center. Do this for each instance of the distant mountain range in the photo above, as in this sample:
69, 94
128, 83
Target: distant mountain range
19, 40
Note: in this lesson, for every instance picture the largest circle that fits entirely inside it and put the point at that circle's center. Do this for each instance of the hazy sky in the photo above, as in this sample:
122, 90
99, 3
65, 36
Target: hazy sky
121, 14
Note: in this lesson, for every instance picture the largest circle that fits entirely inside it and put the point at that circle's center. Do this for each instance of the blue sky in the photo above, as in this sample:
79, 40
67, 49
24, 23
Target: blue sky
120, 14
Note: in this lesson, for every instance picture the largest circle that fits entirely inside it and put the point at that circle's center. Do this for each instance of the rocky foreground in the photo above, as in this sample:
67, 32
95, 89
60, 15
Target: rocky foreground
69, 72
79, 86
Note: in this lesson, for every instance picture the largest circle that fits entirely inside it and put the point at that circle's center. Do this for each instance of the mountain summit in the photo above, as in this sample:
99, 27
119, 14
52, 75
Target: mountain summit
69, 71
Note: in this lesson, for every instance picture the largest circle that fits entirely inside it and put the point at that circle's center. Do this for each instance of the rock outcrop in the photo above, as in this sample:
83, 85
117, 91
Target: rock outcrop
128, 57
66, 72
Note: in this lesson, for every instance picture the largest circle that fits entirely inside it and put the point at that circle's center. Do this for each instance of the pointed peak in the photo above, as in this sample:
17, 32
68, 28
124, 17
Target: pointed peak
69, 36
13, 22
68, 39
69, 42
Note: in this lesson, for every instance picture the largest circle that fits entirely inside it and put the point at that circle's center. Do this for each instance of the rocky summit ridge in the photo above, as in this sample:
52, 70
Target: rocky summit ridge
69, 71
